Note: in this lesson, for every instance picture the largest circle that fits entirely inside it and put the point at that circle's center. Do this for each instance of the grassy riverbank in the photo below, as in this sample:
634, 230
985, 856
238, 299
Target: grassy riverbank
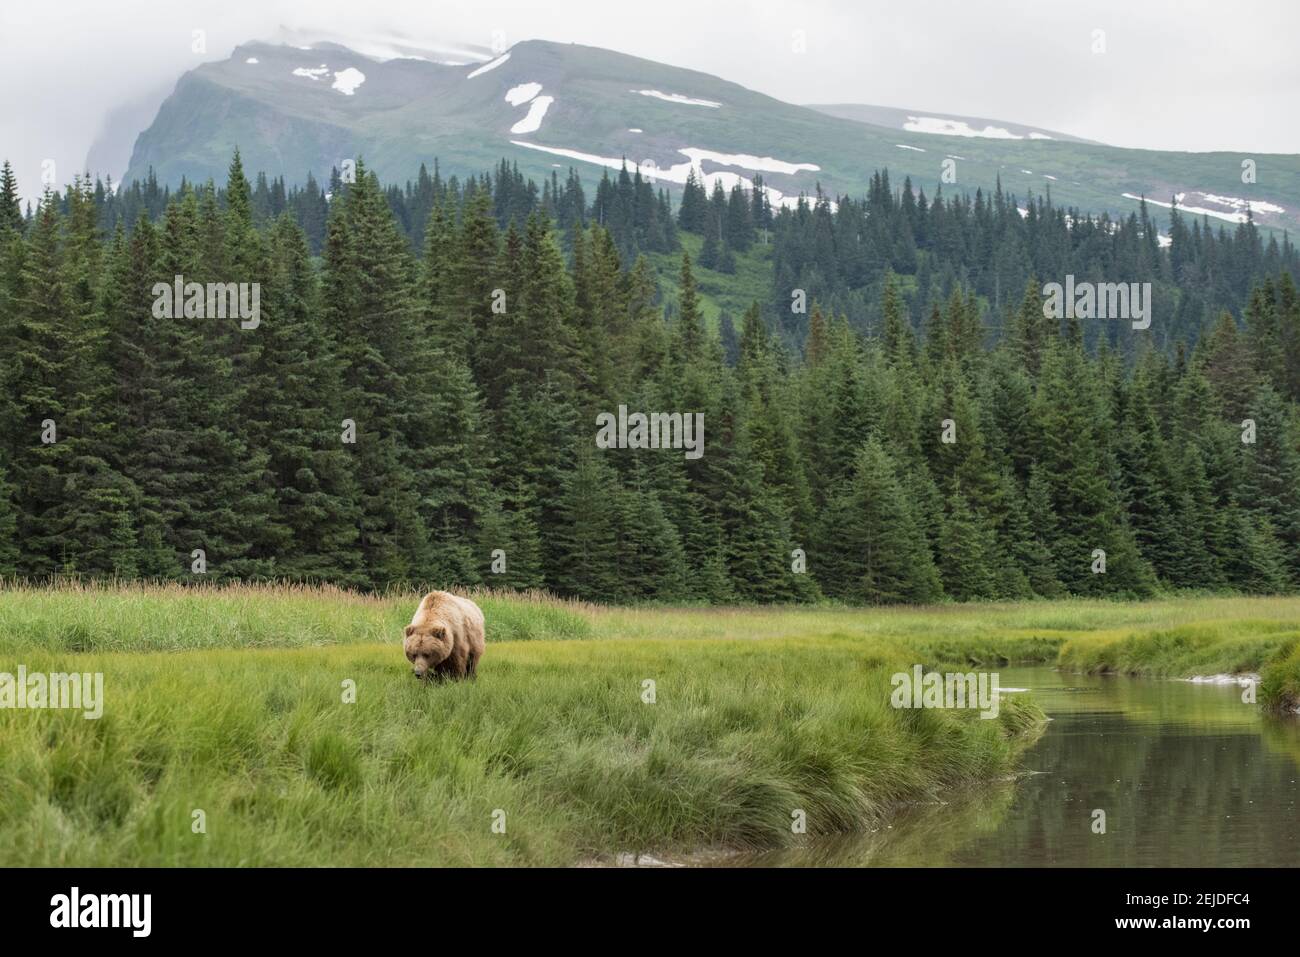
235, 703
1263, 639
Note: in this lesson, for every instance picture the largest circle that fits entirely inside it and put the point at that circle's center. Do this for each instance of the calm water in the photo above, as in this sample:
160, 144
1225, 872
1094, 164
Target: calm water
1188, 776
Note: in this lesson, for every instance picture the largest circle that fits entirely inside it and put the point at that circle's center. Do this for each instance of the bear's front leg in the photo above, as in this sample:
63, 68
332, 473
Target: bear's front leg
457, 666
452, 667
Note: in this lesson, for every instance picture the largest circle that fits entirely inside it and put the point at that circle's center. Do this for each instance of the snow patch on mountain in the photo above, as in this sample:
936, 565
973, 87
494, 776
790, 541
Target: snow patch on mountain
1236, 211
490, 65
536, 112
251, 59
1241, 205
521, 94
763, 164
943, 127
347, 81
678, 98
678, 172
914, 149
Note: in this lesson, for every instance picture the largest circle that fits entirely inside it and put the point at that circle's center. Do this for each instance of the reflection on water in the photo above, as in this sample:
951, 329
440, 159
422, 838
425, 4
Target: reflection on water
1188, 775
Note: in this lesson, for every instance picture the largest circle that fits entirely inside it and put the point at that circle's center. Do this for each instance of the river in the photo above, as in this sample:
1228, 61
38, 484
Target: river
1187, 775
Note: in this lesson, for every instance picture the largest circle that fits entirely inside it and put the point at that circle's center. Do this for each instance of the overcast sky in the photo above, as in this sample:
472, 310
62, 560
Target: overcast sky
1185, 75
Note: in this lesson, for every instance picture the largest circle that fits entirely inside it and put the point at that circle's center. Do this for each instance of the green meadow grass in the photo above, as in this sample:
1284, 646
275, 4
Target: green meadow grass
231, 702
172, 617
718, 291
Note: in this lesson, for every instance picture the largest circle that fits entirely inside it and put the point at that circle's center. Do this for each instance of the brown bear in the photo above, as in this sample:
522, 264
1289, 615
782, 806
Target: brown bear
445, 638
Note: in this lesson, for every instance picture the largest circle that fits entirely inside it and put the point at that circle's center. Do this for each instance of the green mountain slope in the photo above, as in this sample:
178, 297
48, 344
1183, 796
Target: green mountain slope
549, 105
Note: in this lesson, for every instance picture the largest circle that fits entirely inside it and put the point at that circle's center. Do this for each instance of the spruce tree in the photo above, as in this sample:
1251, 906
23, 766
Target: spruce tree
73, 509
870, 546
293, 414
1270, 486
587, 540
369, 310
966, 552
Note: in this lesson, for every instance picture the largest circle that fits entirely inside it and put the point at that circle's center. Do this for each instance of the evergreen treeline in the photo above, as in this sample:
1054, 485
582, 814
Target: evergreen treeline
836, 252
638, 218
893, 467
730, 222
841, 252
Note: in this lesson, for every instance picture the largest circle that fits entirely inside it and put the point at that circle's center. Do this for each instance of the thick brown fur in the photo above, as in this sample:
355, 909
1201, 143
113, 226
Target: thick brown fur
445, 639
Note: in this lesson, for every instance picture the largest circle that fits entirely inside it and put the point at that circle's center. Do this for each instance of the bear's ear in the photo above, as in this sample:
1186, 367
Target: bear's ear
410, 630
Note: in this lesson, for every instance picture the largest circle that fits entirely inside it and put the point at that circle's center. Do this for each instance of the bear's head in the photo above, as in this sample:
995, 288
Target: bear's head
426, 648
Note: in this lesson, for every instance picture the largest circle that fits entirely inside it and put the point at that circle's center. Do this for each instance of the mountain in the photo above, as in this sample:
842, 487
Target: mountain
291, 108
923, 121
